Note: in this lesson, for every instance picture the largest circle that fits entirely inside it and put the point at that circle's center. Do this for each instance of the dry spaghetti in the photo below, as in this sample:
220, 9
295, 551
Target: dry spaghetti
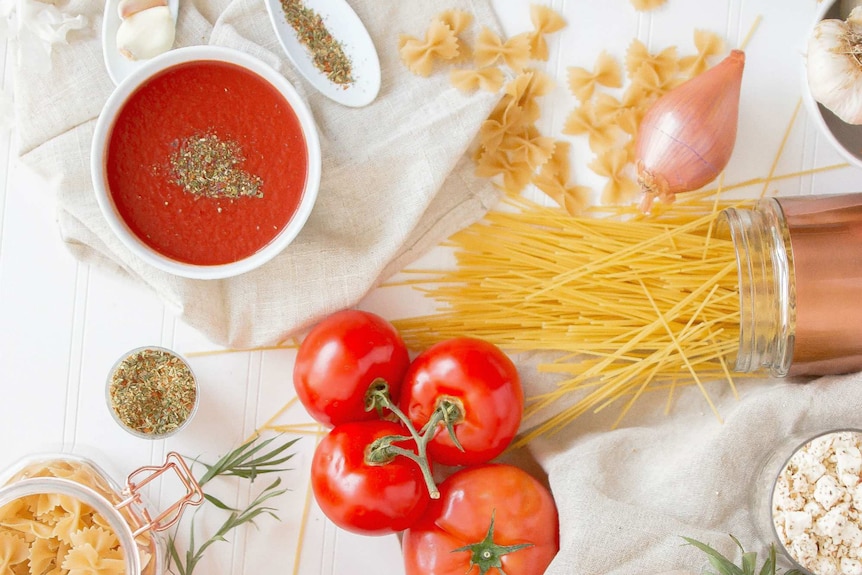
630, 306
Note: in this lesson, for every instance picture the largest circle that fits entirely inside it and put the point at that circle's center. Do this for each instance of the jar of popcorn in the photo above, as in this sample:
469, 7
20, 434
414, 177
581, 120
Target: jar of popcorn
809, 500
63, 513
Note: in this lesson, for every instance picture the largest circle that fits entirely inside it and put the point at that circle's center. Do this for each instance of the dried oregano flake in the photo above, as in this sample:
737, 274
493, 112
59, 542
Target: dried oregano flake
152, 391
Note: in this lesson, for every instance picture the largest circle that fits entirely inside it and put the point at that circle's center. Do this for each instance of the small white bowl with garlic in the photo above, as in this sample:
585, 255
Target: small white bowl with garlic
134, 31
832, 76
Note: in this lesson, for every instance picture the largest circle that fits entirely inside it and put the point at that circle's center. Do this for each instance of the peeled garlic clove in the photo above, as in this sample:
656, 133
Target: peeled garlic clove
834, 66
687, 136
126, 8
146, 34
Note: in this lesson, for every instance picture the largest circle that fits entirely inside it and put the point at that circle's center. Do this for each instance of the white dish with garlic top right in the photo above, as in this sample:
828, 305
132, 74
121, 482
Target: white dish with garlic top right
118, 65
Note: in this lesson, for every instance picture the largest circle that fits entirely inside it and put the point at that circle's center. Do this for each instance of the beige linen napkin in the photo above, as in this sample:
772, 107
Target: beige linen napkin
627, 496
395, 179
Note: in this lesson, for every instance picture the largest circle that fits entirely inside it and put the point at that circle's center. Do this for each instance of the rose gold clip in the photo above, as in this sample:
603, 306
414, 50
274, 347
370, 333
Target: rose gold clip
194, 495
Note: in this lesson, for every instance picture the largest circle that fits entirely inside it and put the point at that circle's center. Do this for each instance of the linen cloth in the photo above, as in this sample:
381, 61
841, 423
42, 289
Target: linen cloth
627, 496
395, 178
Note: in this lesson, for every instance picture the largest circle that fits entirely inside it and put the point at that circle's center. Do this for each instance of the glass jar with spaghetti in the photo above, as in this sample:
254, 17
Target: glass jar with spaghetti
800, 284
72, 517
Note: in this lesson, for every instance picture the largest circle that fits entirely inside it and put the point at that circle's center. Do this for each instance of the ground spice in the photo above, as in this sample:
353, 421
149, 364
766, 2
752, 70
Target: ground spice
205, 165
152, 391
327, 53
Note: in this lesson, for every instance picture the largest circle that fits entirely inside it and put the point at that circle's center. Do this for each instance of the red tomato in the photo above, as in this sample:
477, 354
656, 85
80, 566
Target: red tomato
483, 381
340, 358
524, 537
363, 497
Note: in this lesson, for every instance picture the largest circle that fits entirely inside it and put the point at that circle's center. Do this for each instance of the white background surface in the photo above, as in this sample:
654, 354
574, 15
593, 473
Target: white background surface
63, 324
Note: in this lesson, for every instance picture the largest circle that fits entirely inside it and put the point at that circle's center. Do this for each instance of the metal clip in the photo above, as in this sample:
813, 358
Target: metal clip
194, 495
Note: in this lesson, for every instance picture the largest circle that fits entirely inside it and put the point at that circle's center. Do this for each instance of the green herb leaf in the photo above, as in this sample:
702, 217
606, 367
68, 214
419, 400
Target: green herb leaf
247, 462
716, 559
242, 463
218, 503
749, 560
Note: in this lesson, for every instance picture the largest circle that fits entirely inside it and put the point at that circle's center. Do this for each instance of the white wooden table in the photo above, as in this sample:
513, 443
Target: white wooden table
63, 323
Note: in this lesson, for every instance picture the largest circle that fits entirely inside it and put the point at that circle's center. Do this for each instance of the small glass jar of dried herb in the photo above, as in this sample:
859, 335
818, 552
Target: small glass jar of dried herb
152, 392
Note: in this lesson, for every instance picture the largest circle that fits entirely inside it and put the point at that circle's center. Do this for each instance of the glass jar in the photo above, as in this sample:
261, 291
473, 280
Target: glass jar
800, 283
71, 510
806, 499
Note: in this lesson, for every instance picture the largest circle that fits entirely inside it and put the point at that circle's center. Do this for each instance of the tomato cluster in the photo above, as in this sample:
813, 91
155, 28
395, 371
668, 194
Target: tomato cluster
458, 403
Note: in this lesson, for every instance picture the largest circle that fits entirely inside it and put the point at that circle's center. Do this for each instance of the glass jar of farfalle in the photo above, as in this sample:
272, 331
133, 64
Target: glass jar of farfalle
61, 513
808, 500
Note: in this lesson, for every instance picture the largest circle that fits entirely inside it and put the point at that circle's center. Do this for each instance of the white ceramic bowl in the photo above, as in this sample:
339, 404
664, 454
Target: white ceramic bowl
101, 138
845, 138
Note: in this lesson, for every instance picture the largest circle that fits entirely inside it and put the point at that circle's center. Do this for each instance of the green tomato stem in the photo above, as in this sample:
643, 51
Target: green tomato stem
486, 554
378, 397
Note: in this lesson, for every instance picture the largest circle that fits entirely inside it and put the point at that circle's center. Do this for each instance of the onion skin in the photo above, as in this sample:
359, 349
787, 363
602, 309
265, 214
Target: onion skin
687, 136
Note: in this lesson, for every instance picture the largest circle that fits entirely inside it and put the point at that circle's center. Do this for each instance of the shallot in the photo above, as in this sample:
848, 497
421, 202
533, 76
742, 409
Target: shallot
687, 136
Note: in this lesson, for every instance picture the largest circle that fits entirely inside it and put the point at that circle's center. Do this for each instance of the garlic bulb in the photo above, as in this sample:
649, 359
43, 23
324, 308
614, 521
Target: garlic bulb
834, 66
147, 29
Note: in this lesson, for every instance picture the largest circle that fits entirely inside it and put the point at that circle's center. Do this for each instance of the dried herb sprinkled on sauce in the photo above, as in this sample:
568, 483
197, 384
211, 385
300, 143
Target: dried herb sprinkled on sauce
152, 391
327, 53
205, 165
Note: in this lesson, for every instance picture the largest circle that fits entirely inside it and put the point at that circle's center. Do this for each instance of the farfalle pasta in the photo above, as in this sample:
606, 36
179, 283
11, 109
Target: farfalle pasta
545, 21
14, 550
582, 121
490, 48
439, 43
708, 45
606, 71
59, 534
664, 63
553, 180
510, 146
619, 188
489, 79
527, 146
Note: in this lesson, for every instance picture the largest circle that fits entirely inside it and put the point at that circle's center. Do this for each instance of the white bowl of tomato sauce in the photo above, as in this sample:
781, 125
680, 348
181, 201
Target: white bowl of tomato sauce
205, 162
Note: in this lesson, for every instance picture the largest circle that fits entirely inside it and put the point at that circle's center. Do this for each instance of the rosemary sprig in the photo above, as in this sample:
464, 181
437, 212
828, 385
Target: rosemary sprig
242, 462
247, 461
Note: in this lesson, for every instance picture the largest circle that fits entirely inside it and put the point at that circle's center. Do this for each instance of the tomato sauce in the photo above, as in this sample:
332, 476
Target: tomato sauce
192, 99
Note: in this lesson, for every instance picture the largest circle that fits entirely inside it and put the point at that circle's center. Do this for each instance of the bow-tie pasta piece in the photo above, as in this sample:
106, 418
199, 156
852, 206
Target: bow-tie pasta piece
489, 49
708, 45
488, 79
545, 21
606, 71
440, 42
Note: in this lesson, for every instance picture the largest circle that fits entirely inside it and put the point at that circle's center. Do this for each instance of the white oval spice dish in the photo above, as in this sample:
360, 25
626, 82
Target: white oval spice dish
336, 21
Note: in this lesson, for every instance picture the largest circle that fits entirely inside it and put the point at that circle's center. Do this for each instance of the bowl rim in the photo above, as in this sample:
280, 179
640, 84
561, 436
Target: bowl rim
104, 125
814, 108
